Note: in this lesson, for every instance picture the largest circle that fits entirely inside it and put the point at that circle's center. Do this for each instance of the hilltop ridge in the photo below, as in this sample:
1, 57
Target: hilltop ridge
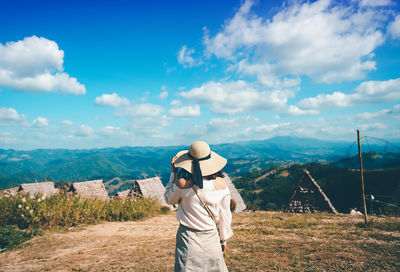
17, 166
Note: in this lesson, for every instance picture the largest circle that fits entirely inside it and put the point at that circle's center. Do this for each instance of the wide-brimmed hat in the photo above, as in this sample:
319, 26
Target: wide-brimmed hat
210, 162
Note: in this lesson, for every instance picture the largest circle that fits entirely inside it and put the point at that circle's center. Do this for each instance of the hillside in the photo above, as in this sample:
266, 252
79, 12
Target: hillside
371, 160
341, 185
262, 241
136, 162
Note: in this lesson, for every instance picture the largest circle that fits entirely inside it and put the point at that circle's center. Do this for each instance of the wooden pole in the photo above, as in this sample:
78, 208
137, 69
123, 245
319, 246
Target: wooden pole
362, 175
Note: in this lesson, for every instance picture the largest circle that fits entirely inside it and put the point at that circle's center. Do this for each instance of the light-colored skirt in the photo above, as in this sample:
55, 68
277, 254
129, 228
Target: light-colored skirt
198, 251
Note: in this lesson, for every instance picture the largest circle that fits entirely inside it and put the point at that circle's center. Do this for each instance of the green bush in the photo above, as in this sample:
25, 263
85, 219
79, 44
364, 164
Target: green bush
65, 210
165, 210
11, 236
233, 205
22, 217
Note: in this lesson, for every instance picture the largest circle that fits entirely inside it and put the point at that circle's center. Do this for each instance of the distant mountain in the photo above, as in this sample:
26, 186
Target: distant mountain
286, 148
18, 166
59, 164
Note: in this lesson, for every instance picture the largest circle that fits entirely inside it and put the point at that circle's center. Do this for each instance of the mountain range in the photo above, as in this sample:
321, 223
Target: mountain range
17, 166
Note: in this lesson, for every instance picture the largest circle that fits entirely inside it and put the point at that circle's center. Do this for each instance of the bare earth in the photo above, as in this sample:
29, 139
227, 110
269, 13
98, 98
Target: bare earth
262, 241
115, 246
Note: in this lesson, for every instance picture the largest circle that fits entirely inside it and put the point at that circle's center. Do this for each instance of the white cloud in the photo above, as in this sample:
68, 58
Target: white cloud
40, 122
291, 82
225, 124
140, 110
163, 95
218, 129
113, 131
67, 123
373, 115
112, 100
296, 111
36, 64
266, 128
163, 88
8, 138
323, 40
186, 111
9, 116
382, 114
366, 92
394, 28
235, 97
375, 3
323, 101
185, 57
175, 103
83, 131
378, 91
372, 127
318, 128
149, 126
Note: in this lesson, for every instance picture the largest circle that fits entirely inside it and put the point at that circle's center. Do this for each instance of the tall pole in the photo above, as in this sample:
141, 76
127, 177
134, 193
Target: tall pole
362, 175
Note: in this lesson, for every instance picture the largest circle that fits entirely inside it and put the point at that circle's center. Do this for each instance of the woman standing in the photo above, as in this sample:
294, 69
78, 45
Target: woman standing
198, 187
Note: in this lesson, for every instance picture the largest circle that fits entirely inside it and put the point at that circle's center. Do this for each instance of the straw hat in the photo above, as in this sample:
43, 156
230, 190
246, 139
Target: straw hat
201, 150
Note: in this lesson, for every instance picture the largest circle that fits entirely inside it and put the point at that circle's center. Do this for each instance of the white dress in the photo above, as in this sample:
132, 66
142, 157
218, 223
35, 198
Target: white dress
198, 245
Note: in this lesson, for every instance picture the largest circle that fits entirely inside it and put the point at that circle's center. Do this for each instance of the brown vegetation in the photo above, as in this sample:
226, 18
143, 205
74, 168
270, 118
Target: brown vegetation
262, 241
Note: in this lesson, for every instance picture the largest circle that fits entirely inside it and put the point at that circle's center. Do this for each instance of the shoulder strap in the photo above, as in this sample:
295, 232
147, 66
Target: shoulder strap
204, 204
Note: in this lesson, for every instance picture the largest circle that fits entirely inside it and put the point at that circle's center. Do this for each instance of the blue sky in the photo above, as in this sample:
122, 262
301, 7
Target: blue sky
117, 73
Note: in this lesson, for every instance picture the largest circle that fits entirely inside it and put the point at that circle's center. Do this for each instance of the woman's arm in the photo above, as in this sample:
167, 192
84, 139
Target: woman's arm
225, 220
172, 192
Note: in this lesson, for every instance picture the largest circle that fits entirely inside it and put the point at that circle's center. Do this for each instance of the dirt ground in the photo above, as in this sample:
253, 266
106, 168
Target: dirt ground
115, 246
262, 241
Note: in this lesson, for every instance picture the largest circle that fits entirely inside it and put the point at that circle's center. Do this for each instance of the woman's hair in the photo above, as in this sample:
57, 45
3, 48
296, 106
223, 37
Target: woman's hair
182, 173
215, 175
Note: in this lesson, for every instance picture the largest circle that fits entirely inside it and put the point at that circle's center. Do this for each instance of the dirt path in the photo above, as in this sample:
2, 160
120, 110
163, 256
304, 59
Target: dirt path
262, 241
116, 246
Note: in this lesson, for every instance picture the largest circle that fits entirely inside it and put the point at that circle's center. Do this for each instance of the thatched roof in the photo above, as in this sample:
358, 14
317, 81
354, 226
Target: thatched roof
90, 189
309, 197
123, 194
150, 187
35, 188
10, 191
235, 195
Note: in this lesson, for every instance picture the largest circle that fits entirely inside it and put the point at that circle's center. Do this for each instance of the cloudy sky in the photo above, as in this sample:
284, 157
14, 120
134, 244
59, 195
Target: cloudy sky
134, 73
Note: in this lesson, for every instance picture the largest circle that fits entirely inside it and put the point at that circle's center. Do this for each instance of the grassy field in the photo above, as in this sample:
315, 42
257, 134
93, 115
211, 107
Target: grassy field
263, 241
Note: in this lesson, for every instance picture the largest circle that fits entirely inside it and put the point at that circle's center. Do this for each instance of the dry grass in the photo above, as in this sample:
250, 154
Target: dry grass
263, 241
268, 241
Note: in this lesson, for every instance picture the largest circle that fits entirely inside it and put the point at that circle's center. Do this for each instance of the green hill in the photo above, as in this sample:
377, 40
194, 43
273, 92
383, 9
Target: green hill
371, 160
18, 166
341, 185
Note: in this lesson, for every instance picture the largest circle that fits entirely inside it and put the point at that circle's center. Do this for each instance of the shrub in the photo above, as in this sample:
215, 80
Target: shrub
22, 217
233, 205
11, 236
65, 210
165, 210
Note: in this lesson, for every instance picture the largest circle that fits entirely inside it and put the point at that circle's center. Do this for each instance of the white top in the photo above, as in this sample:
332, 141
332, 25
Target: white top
191, 212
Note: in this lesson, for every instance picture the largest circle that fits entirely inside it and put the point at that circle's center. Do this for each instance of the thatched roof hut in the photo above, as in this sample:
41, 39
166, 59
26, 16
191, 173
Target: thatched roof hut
235, 195
41, 188
150, 187
309, 197
90, 189
122, 194
10, 191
